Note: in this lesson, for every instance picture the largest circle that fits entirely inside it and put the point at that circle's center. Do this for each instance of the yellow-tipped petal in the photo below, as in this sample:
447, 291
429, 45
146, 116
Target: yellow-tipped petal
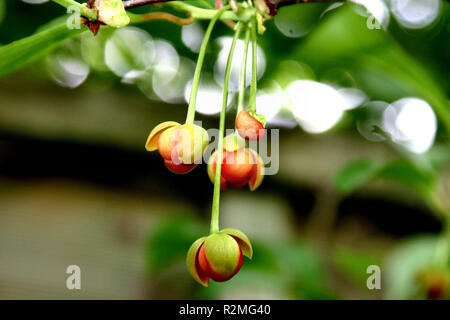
242, 240
233, 142
191, 263
152, 140
193, 141
258, 176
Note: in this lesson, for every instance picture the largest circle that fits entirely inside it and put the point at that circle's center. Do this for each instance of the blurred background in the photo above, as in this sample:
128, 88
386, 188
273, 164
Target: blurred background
359, 92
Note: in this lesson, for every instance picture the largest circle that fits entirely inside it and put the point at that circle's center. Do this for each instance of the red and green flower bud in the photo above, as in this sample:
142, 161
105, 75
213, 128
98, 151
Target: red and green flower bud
181, 146
250, 125
218, 256
239, 167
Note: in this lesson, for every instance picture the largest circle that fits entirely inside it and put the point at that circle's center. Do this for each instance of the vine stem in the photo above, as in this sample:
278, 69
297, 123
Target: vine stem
216, 195
242, 79
205, 14
84, 11
198, 68
196, 13
252, 98
139, 18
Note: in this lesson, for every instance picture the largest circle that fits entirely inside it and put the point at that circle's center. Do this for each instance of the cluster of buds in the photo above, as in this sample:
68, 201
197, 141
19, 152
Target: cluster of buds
218, 256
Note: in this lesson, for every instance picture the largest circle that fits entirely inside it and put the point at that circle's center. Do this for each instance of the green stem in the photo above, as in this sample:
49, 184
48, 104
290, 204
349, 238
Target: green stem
207, 14
252, 98
201, 57
243, 72
84, 11
216, 196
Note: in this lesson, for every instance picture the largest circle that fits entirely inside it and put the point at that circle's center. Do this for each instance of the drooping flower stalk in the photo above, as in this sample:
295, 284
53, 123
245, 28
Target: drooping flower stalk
201, 57
216, 197
252, 98
242, 77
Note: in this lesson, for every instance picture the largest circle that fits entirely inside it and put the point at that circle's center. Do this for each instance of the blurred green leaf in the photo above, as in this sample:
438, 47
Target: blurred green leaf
355, 174
353, 264
403, 265
297, 20
359, 172
406, 173
20, 52
302, 266
438, 157
171, 241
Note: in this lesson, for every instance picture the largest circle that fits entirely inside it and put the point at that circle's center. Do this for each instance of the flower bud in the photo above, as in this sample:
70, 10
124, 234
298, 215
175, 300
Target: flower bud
240, 167
218, 256
250, 125
181, 146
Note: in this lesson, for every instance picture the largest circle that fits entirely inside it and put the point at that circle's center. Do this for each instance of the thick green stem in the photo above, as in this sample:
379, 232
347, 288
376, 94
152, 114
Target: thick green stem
84, 11
252, 98
242, 79
216, 196
201, 57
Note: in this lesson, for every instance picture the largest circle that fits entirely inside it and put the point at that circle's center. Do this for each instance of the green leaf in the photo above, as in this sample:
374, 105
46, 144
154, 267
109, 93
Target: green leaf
26, 50
406, 173
354, 264
404, 264
171, 241
355, 174
302, 266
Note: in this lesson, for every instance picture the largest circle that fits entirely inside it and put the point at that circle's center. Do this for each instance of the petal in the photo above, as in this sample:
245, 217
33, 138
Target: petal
238, 166
258, 175
152, 140
223, 256
192, 143
242, 240
233, 142
168, 144
179, 168
192, 265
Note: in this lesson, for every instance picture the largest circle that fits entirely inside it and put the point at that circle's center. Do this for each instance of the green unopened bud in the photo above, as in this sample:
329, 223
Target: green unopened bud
218, 256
